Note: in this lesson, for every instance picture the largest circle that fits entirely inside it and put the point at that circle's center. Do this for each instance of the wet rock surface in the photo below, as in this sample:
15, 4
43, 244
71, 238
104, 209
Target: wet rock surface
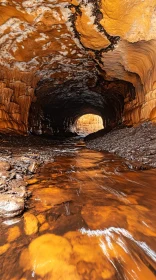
10, 205
89, 217
136, 144
20, 158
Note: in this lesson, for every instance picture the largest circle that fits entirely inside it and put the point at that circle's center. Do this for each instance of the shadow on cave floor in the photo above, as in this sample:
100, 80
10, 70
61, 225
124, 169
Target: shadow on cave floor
37, 140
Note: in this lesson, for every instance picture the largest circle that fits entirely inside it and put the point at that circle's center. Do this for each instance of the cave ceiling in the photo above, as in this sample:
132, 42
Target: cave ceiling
80, 46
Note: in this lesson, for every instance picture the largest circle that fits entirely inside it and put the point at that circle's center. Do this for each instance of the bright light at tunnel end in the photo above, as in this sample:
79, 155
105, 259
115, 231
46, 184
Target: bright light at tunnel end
88, 123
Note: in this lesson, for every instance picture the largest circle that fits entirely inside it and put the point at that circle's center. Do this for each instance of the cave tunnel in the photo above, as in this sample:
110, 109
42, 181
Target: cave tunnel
57, 109
77, 139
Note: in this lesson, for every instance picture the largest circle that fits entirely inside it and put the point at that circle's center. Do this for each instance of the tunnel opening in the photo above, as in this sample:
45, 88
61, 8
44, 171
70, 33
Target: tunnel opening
57, 108
88, 123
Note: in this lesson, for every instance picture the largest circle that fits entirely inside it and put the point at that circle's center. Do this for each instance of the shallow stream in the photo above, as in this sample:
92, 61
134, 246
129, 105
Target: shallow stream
89, 217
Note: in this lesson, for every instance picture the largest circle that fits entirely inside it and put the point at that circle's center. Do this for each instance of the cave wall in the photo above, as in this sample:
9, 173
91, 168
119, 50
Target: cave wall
16, 96
128, 49
74, 41
135, 62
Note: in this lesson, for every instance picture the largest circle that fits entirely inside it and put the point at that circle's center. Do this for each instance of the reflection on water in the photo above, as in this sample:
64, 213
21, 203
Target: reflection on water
89, 217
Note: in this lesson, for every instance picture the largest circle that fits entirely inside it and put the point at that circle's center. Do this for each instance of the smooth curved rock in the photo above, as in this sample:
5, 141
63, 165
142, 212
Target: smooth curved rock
11, 206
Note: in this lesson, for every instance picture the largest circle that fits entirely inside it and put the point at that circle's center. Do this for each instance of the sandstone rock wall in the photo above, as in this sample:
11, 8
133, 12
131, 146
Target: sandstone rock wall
135, 62
123, 43
16, 95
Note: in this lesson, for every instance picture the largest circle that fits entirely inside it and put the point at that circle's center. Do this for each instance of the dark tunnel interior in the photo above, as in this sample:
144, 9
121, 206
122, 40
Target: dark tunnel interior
57, 107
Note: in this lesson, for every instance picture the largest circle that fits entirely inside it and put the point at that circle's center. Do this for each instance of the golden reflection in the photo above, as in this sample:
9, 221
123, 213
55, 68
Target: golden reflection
114, 207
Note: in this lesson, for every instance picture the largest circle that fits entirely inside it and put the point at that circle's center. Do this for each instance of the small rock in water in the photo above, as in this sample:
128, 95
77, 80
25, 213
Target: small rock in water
3, 185
4, 248
41, 218
13, 233
30, 224
12, 175
32, 167
32, 181
45, 254
10, 206
18, 176
4, 175
18, 191
2, 188
5, 166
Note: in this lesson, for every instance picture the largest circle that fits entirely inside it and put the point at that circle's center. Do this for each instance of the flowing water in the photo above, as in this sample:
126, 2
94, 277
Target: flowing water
89, 217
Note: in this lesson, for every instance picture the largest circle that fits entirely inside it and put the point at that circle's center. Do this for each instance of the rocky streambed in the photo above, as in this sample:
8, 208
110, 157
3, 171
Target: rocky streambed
88, 215
136, 144
20, 158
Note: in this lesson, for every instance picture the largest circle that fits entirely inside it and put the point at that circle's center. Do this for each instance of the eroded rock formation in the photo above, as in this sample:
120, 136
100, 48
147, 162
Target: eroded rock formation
66, 58
16, 96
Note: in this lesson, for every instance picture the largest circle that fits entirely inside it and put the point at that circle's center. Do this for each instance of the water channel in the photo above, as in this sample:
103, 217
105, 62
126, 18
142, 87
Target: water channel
89, 217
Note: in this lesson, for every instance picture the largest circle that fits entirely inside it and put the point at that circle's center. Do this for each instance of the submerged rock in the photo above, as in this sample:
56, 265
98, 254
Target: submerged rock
33, 167
30, 224
49, 254
4, 248
13, 233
